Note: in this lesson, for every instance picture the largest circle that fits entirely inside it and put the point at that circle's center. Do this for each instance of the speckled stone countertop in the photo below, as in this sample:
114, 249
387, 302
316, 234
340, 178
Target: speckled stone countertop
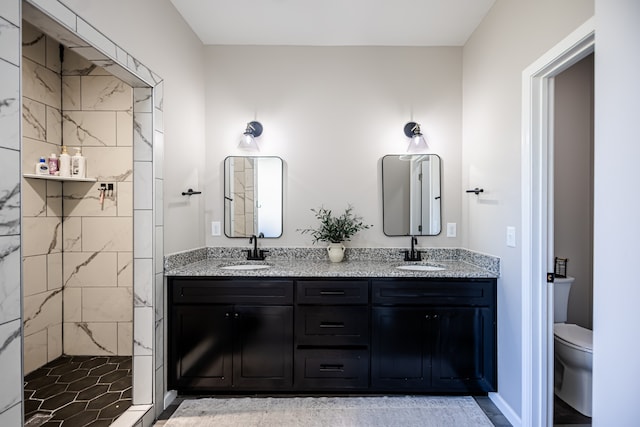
312, 262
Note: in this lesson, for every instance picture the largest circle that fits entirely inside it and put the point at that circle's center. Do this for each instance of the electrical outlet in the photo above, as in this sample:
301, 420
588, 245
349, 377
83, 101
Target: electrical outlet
451, 229
215, 228
511, 237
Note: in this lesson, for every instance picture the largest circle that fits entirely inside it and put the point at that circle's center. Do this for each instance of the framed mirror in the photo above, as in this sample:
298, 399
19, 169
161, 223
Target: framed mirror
253, 196
411, 199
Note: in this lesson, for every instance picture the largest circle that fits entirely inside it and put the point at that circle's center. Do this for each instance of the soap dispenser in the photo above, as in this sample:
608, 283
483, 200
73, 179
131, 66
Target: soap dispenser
64, 163
78, 165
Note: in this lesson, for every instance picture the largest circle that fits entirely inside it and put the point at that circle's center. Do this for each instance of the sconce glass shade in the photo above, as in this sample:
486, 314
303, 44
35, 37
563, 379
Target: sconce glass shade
248, 140
417, 144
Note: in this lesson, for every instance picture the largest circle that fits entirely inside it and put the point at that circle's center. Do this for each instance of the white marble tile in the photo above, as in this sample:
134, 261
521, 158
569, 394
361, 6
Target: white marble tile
125, 269
72, 227
110, 234
158, 120
54, 342
97, 339
105, 93
159, 342
10, 10
34, 119
42, 310
113, 164
9, 106
143, 331
12, 416
34, 277
158, 396
92, 54
124, 198
142, 100
71, 93
96, 38
54, 271
35, 351
159, 202
33, 44
143, 234
158, 96
34, 197
41, 236
72, 298
9, 278
58, 10
9, 42
143, 185
53, 55
107, 304
32, 150
141, 71
158, 154
143, 380
158, 295
83, 199
159, 246
77, 65
143, 282
54, 198
90, 269
9, 191
124, 128
89, 128
121, 55
142, 137
125, 339
41, 84
54, 127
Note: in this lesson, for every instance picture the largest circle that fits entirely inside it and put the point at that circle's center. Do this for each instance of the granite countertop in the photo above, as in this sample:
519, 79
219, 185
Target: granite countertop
295, 267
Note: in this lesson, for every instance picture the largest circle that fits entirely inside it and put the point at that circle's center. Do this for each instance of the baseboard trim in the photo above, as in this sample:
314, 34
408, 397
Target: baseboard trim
506, 409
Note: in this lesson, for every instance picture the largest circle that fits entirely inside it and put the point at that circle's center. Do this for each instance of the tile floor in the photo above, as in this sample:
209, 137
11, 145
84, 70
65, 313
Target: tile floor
75, 391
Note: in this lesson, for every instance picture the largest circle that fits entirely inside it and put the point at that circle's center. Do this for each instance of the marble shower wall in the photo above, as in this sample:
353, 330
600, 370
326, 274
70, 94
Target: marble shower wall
78, 252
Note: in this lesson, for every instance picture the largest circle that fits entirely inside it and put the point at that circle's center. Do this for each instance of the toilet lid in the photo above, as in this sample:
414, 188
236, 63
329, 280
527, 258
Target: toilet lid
574, 334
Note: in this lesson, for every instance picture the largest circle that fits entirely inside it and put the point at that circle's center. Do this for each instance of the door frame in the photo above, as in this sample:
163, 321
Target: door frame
537, 220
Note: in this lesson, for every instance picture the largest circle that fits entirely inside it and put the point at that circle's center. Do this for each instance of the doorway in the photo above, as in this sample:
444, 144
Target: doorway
537, 221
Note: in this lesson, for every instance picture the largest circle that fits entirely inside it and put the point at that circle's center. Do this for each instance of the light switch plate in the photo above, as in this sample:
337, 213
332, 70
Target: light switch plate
451, 229
511, 237
215, 228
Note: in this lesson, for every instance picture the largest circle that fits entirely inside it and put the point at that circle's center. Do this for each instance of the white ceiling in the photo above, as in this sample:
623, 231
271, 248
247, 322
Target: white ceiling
334, 22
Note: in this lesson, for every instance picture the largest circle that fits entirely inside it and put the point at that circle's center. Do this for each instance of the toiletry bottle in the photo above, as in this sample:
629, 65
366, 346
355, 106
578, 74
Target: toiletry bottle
42, 168
78, 165
64, 163
53, 164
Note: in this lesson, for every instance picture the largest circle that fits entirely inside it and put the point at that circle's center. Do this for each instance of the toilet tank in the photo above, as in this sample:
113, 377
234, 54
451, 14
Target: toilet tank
561, 288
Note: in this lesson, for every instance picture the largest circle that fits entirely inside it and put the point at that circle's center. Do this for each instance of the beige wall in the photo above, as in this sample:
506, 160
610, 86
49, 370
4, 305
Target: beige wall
573, 184
332, 113
511, 37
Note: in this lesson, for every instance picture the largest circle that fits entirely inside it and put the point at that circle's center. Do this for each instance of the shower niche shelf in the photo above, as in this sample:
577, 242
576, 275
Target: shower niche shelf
58, 178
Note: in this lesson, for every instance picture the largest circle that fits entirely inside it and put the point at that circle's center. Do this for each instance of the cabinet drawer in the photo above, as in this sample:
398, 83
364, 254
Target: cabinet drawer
439, 291
232, 291
332, 292
333, 369
332, 325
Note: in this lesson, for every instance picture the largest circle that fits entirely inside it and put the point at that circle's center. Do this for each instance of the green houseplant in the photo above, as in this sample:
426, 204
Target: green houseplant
335, 230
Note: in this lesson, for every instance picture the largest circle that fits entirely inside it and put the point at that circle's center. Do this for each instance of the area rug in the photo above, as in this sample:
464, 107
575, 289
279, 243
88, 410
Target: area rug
401, 411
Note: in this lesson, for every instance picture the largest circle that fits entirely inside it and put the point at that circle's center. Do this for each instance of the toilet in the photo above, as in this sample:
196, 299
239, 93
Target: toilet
573, 353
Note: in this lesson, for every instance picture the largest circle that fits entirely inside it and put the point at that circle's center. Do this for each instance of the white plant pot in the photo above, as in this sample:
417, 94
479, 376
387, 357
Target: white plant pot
336, 252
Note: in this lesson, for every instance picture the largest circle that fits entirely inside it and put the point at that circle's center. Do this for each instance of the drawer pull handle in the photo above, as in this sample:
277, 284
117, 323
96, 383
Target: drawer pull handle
332, 292
331, 368
332, 325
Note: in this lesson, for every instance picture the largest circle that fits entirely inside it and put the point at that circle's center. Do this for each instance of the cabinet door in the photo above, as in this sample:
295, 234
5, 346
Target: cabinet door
263, 341
200, 347
463, 349
400, 353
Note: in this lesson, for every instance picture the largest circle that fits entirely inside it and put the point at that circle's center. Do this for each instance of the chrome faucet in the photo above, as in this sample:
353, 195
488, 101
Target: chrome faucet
255, 254
413, 255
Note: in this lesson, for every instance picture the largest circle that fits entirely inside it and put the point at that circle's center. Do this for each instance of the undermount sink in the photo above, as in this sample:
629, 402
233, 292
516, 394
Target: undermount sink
245, 267
420, 267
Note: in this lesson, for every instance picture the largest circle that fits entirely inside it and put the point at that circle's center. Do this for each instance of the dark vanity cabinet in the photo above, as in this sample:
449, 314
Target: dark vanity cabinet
332, 335
230, 334
434, 335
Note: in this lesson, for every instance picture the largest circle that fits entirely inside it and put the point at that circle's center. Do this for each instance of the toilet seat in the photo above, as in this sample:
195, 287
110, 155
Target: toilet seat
574, 336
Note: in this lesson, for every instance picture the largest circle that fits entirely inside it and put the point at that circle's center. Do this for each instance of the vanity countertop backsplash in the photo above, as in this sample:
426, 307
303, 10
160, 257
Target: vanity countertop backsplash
313, 262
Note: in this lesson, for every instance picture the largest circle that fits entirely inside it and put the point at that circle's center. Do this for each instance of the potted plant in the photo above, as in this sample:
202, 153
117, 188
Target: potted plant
335, 230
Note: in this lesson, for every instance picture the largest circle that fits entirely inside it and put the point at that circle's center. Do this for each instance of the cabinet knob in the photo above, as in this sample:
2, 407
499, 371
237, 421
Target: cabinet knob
428, 316
236, 315
226, 315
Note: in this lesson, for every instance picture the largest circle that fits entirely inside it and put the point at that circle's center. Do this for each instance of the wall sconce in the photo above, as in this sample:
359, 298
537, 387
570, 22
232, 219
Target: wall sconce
418, 144
248, 142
